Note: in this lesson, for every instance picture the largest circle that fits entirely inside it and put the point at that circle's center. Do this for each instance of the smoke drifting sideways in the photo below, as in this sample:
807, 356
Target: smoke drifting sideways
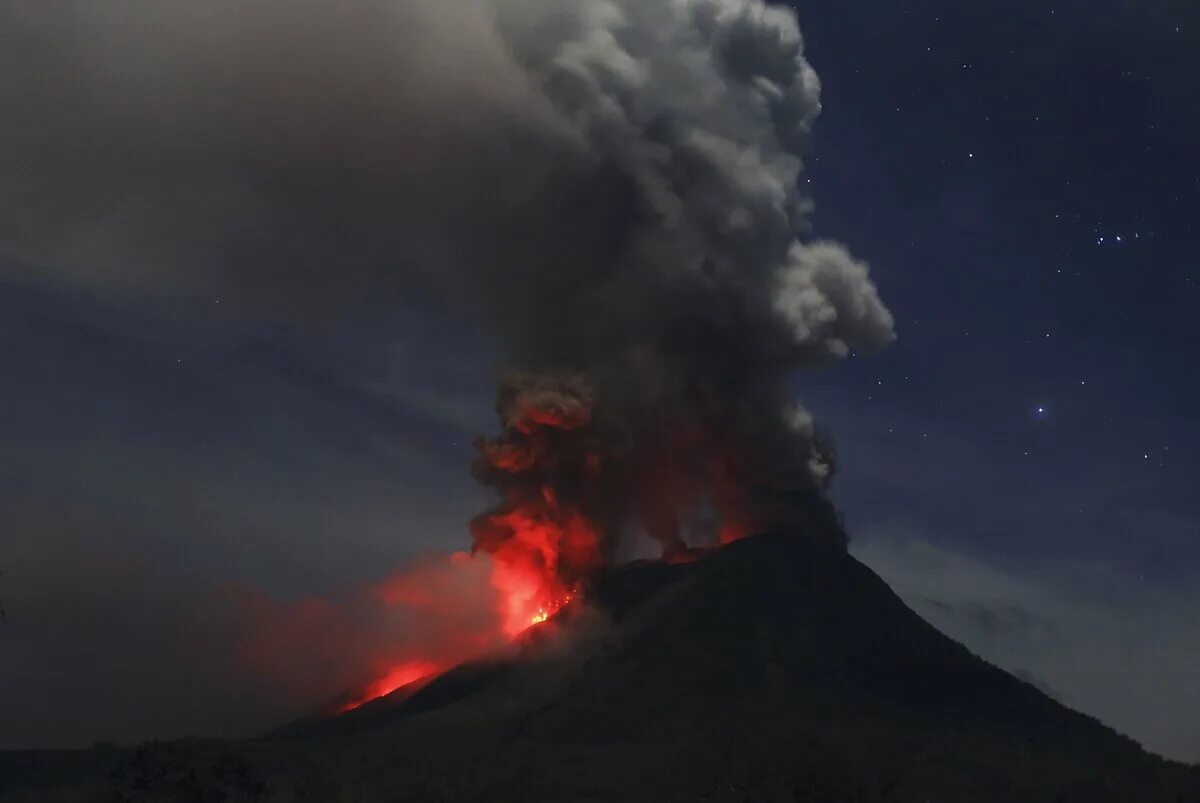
609, 188
430, 615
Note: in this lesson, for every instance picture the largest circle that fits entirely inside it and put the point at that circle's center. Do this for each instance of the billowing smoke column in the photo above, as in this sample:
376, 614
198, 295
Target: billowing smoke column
549, 465
609, 188
661, 357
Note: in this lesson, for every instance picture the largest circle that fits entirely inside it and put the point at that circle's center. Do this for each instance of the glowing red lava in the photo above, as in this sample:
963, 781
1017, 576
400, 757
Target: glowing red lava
549, 609
524, 567
399, 676
528, 593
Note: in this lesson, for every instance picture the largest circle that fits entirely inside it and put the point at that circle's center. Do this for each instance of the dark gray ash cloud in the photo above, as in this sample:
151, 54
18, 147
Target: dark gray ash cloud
607, 186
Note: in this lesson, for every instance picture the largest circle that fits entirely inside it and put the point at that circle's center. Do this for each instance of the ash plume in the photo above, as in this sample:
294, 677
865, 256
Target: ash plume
698, 114
609, 187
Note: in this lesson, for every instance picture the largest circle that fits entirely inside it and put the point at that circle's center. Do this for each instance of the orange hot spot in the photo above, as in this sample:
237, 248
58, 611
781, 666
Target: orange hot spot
549, 609
527, 593
529, 565
399, 676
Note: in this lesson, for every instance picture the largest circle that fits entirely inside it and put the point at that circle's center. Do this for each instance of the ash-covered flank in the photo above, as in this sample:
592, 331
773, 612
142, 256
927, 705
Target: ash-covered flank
775, 668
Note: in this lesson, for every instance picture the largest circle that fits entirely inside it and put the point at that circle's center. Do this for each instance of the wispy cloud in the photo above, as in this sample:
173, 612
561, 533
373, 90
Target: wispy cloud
1102, 641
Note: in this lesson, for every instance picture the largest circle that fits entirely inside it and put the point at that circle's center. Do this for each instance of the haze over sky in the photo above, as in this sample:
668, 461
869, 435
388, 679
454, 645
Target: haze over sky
1020, 464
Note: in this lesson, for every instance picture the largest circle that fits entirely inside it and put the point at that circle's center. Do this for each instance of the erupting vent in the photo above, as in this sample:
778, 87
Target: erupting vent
546, 611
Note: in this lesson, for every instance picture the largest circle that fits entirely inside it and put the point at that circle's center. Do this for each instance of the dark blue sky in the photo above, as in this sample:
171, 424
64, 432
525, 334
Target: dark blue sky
1024, 180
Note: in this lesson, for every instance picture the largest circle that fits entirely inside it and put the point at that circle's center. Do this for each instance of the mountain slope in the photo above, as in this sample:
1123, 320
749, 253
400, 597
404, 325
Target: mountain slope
775, 668
778, 668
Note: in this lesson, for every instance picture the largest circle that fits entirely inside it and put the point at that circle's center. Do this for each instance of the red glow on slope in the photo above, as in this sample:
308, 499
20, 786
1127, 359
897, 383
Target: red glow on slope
399, 676
548, 610
525, 565
735, 530
526, 586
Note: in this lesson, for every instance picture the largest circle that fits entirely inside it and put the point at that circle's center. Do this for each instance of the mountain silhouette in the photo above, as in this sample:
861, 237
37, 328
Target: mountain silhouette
777, 668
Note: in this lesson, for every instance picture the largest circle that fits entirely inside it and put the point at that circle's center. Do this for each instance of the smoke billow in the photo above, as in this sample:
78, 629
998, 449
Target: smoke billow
610, 187
696, 116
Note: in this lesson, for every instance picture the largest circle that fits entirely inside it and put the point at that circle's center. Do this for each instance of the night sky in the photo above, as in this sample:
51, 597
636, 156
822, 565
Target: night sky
1021, 464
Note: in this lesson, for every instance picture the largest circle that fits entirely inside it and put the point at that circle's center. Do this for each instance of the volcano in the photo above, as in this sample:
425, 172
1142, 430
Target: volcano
777, 668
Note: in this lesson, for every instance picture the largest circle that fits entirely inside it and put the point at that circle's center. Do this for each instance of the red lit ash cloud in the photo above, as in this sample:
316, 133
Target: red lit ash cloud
420, 621
397, 677
575, 478
430, 615
548, 464
538, 545
573, 481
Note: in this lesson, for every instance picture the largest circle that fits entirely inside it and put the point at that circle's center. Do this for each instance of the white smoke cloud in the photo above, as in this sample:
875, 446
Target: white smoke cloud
828, 299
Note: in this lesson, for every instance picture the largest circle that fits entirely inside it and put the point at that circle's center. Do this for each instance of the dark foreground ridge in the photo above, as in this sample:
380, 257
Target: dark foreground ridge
776, 669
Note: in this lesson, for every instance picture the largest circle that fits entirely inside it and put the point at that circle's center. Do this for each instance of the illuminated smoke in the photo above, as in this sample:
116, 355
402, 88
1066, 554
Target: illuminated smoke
397, 677
661, 357
550, 465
